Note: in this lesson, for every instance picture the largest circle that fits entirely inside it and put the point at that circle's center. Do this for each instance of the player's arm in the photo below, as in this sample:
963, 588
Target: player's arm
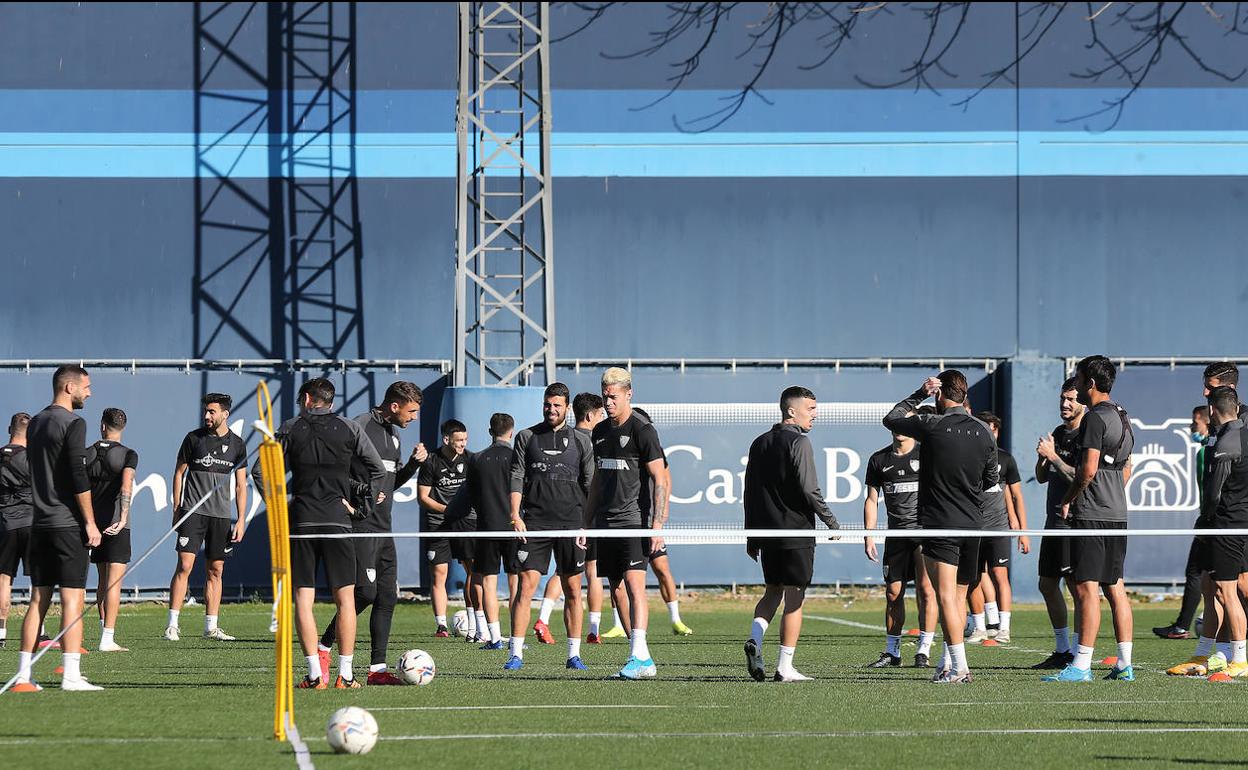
410, 468
76, 447
127, 492
869, 512
1049, 459
240, 503
519, 450
1215, 478
1126, 471
424, 493
662, 492
1091, 438
803, 458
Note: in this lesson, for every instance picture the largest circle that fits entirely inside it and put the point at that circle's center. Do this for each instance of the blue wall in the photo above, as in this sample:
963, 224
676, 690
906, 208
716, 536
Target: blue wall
840, 220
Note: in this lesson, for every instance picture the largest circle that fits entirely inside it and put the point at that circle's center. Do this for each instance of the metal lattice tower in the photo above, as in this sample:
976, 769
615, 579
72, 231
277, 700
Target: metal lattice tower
324, 304
504, 277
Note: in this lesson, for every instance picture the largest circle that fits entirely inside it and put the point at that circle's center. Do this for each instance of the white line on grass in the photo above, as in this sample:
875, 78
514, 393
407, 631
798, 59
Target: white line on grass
828, 734
1061, 702
843, 622
526, 707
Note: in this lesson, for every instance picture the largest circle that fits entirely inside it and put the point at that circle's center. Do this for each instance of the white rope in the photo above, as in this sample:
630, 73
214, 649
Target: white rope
39, 653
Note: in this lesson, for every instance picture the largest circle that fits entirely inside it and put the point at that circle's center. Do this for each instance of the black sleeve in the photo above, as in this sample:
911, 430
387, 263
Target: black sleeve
132, 460
901, 418
803, 456
425, 477
405, 474
1009, 471
1092, 432
648, 445
75, 449
185, 451
873, 478
240, 453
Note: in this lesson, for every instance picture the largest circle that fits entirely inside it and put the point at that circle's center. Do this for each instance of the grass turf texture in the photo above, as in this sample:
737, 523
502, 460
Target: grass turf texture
208, 704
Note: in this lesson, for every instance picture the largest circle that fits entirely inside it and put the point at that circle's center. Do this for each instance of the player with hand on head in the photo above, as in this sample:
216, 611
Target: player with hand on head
957, 463
208, 457
894, 472
1097, 500
16, 512
63, 526
111, 467
781, 491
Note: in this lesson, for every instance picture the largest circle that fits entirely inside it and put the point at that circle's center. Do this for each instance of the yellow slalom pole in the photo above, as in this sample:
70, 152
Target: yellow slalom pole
273, 469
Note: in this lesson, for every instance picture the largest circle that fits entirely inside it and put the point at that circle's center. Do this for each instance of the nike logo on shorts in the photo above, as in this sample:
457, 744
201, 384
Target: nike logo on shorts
633, 563
1003, 561
228, 550
580, 564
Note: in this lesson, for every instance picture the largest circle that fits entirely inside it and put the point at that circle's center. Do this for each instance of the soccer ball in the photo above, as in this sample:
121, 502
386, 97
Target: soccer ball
352, 730
459, 623
416, 667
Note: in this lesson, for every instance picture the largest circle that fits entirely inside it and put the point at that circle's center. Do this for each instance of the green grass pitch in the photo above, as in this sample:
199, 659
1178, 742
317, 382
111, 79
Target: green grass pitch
199, 704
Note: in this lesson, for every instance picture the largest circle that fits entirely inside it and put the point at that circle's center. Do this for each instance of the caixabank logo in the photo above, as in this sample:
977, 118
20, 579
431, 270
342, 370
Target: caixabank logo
1163, 467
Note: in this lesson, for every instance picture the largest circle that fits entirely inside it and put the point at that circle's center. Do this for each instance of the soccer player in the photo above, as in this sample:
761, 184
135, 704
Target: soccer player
625, 445
376, 563
1056, 457
957, 463
321, 448
781, 491
1225, 506
551, 472
1004, 509
1097, 500
1193, 585
587, 408
440, 477
110, 467
16, 511
894, 471
63, 525
487, 490
208, 457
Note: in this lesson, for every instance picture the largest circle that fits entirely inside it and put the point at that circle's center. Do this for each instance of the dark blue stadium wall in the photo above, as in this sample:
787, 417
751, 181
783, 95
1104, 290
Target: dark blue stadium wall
838, 221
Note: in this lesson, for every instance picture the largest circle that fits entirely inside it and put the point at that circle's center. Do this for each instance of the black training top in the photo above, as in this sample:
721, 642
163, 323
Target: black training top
782, 487
1225, 503
16, 505
620, 452
385, 439
552, 469
1066, 445
105, 462
210, 459
445, 475
957, 462
488, 486
996, 514
897, 476
56, 441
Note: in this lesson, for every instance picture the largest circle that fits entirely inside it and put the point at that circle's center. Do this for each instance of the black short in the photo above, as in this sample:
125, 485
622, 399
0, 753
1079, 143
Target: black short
591, 551
438, 551
113, 549
534, 556
493, 555
652, 554
962, 552
1224, 556
375, 561
14, 548
336, 557
212, 532
1098, 559
617, 555
1055, 560
899, 557
58, 557
994, 552
788, 566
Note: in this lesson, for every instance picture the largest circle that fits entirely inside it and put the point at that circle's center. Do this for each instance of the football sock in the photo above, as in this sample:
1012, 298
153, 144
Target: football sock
106, 636
1124, 654
1205, 646
314, 667
173, 618
1238, 649
376, 668
344, 667
785, 664
639, 649
496, 631
616, 615
548, 606
979, 622
758, 630
210, 623
1005, 621
1061, 639
893, 645
990, 611
483, 625
925, 641
574, 648
72, 662
23, 666
957, 653
517, 646
440, 620
1083, 658
1225, 649
595, 622
673, 609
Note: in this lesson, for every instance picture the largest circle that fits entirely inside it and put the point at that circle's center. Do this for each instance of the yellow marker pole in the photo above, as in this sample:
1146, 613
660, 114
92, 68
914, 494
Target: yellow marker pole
273, 469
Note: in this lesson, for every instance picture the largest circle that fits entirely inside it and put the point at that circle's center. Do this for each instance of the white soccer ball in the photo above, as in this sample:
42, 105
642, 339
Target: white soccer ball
416, 667
352, 730
459, 623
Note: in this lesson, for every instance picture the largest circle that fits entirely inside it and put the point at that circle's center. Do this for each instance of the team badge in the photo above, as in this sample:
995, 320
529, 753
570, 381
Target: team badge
459, 467
914, 465
371, 574
395, 439
431, 555
623, 441
182, 541
522, 555
565, 442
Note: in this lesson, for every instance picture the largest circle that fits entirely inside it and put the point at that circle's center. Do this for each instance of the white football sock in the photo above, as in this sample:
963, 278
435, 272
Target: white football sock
616, 615
472, 623
23, 666
210, 623
1083, 658
106, 636
1005, 621
72, 661
323, 648
785, 664
173, 618
946, 660
314, 667
673, 609
574, 647
639, 649
548, 606
758, 630
496, 631
957, 654
1225, 649
1239, 651
980, 625
1205, 646
440, 620
4, 632
990, 612
517, 647
1124, 654
483, 625
1061, 639
893, 645
595, 622
344, 667
376, 668
925, 641
1074, 641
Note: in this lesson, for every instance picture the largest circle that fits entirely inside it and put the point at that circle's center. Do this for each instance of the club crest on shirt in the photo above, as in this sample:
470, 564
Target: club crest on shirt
1163, 475
914, 465
623, 441
459, 467
395, 440
565, 442
371, 574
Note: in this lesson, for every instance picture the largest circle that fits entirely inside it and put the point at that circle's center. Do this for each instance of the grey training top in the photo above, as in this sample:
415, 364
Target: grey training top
1105, 428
